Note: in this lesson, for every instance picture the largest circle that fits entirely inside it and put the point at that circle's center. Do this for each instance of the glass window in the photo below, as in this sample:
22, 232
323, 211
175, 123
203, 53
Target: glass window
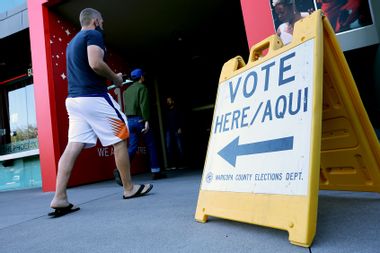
18, 126
10, 4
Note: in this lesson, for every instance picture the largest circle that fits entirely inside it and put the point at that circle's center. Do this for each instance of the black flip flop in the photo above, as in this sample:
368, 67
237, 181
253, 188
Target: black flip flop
148, 190
61, 211
139, 192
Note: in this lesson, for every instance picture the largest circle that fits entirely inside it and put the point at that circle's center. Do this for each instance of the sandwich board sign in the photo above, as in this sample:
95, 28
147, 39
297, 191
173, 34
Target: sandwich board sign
263, 160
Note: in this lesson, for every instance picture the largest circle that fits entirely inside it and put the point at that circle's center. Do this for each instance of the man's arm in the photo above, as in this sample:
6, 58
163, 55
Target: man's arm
95, 60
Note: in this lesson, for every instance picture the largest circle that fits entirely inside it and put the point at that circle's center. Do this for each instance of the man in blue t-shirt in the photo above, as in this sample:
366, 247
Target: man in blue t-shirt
93, 113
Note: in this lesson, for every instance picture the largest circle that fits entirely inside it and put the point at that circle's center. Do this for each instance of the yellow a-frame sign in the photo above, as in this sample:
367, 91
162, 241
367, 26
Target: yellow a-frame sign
277, 135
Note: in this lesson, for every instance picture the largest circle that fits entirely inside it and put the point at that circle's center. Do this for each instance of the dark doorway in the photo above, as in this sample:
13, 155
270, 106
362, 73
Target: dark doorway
189, 66
182, 46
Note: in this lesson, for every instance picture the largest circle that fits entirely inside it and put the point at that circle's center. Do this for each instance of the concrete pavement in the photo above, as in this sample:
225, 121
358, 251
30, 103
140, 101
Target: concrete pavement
163, 221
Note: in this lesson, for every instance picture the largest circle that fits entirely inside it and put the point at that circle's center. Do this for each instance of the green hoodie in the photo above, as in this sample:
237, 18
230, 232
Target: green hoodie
136, 101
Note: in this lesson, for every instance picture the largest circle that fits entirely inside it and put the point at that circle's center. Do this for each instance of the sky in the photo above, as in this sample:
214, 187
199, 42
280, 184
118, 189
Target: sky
9, 4
21, 111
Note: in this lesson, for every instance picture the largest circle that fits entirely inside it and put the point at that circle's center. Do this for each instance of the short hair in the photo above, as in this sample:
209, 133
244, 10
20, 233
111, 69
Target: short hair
88, 14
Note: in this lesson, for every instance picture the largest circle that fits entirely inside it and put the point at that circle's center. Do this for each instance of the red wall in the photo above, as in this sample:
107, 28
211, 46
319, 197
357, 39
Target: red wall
257, 20
44, 93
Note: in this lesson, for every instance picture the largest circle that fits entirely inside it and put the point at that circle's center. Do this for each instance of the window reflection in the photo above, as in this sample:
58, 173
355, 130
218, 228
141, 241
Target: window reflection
8, 5
18, 126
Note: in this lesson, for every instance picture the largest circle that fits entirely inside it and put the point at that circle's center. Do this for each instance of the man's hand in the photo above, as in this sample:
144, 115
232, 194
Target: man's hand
146, 128
118, 80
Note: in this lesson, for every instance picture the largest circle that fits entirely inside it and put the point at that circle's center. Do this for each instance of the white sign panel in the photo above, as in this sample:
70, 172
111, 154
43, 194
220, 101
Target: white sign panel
261, 130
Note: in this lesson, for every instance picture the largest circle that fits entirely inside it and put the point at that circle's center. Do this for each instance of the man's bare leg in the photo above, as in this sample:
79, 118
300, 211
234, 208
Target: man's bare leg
65, 166
124, 167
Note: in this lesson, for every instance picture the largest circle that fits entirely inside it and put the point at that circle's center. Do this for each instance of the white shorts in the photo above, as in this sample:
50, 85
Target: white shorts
96, 117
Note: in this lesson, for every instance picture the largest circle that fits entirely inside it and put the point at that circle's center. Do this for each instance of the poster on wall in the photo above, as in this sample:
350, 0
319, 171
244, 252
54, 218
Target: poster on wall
352, 20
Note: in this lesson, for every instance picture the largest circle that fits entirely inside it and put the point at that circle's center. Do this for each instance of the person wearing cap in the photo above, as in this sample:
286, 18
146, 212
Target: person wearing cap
137, 109
93, 113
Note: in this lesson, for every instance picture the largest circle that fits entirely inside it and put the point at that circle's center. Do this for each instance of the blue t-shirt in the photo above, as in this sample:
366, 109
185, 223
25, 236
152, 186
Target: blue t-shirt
83, 81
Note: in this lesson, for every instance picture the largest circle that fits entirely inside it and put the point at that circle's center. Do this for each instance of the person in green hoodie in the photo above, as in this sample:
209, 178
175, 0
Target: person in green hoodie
137, 110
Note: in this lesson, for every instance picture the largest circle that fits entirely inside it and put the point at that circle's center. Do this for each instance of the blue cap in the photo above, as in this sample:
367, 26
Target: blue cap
136, 74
